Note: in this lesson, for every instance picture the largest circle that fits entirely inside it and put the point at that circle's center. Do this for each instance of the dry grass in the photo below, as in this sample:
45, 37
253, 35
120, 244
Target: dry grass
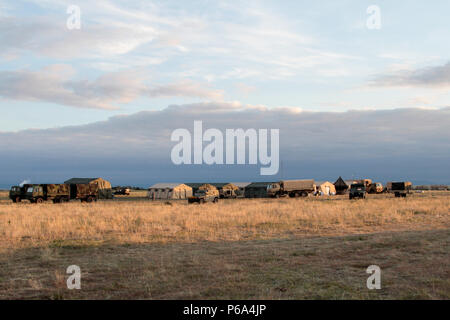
262, 249
149, 222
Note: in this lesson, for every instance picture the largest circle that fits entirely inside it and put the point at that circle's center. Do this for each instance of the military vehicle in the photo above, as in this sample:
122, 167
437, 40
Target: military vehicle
291, 188
357, 190
122, 191
85, 192
401, 189
205, 193
375, 188
229, 191
43, 192
18, 193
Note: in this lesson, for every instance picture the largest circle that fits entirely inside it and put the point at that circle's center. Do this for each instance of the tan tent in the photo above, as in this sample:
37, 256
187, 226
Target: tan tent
104, 186
325, 187
161, 191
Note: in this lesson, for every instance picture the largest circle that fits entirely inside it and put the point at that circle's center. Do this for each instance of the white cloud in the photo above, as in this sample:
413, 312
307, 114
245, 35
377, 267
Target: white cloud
55, 84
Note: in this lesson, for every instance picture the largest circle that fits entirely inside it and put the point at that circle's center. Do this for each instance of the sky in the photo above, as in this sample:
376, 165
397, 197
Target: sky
353, 90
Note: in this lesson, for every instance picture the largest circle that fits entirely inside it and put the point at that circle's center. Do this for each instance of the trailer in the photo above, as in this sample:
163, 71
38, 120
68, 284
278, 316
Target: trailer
291, 188
401, 189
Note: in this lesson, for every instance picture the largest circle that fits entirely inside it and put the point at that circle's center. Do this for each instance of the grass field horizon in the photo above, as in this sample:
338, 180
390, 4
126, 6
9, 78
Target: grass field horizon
315, 248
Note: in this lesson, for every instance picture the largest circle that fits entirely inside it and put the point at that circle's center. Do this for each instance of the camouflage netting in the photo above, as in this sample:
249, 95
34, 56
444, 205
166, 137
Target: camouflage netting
207, 186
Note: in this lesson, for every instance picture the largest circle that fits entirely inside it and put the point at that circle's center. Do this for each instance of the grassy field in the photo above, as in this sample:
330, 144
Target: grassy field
258, 249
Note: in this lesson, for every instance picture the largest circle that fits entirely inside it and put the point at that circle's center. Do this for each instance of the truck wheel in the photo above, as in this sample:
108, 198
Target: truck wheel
18, 199
304, 194
216, 200
296, 195
89, 199
39, 200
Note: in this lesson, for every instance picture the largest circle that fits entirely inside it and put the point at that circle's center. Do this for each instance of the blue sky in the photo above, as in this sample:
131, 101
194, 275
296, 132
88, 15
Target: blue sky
348, 100
315, 56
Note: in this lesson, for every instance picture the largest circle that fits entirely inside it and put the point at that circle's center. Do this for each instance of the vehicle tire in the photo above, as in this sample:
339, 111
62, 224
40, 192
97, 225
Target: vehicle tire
304, 194
296, 195
89, 199
216, 200
39, 200
18, 199
201, 201
14, 200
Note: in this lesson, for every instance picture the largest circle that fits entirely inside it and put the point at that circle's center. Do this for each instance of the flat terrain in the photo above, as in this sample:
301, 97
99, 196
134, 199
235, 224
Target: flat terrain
315, 248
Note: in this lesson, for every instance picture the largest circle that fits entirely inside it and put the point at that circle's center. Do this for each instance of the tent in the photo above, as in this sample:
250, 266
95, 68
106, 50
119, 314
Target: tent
169, 191
342, 185
257, 190
325, 187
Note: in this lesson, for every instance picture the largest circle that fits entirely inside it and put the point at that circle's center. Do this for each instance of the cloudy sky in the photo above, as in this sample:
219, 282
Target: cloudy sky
349, 99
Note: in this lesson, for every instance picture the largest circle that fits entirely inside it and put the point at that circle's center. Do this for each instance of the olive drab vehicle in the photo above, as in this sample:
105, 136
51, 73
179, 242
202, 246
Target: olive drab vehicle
375, 188
43, 192
357, 190
18, 193
291, 188
401, 189
205, 193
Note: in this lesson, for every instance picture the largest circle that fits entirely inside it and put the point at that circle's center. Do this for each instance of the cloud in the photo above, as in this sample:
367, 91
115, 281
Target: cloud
50, 37
434, 77
55, 84
391, 144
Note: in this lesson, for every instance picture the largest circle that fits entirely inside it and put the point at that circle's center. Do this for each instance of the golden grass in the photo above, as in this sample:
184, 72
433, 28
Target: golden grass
26, 225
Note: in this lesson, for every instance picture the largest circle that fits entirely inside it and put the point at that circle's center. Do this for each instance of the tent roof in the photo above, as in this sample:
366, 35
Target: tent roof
80, 180
241, 184
163, 185
259, 184
195, 184
319, 183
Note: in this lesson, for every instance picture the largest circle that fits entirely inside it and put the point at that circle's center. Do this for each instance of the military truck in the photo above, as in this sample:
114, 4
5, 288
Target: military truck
375, 188
44, 192
357, 190
18, 193
122, 191
205, 193
401, 189
229, 191
291, 188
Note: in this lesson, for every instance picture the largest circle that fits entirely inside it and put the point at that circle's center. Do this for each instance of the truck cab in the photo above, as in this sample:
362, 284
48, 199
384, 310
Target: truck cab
274, 190
35, 194
17, 193
357, 190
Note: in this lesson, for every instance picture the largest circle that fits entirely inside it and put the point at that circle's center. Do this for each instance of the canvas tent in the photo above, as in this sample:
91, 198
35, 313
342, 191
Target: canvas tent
325, 187
241, 186
104, 186
161, 191
257, 190
195, 185
342, 186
